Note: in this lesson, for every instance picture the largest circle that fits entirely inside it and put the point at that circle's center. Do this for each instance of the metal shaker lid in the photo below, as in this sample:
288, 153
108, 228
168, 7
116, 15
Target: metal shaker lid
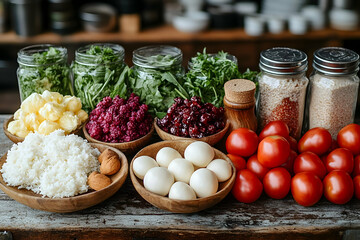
336, 61
283, 61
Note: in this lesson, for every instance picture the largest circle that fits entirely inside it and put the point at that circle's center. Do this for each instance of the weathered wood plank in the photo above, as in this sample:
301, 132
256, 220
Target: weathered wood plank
127, 216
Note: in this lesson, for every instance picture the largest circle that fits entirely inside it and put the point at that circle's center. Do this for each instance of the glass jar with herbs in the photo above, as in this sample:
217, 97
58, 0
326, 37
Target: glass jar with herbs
282, 88
333, 89
157, 77
99, 71
43, 67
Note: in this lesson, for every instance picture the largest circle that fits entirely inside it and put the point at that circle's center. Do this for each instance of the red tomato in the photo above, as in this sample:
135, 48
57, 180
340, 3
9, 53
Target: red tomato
293, 143
289, 164
349, 137
255, 166
309, 162
306, 188
239, 162
357, 186
338, 187
273, 151
340, 159
247, 187
242, 142
275, 128
277, 183
356, 170
317, 140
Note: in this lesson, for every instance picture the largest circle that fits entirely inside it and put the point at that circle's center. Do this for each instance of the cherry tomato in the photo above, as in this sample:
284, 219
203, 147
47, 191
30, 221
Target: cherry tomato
242, 142
357, 186
289, 164
273, 151
356, 170
340, 159
275, 128
277, 183
309, 162
349, 137
306, 188
247, 187
239, 162
338, 187
255, 166
293, 143
317, 140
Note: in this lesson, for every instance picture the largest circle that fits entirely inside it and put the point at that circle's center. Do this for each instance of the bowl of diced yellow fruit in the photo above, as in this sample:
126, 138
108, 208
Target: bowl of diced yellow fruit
45, 113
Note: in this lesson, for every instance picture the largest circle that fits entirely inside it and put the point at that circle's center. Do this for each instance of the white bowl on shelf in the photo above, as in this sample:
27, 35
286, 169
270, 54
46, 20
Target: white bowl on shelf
192, 22
343, 19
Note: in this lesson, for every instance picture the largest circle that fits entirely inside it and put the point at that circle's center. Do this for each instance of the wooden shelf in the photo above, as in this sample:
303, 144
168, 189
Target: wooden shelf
165, 34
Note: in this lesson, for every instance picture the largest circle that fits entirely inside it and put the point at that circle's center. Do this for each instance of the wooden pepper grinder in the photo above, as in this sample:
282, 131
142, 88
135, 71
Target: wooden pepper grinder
239, 102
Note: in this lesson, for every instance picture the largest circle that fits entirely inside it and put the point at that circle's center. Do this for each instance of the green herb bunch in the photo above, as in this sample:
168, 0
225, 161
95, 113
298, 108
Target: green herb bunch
48, 71
100, 73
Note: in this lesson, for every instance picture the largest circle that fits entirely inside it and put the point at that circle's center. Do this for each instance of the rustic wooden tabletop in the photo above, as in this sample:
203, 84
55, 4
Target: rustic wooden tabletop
127, 216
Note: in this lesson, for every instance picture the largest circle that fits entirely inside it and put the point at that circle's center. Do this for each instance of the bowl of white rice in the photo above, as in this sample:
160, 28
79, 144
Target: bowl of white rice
50, 172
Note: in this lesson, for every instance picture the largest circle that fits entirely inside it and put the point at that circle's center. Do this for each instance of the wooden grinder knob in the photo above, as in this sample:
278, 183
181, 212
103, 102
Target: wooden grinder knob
240, 91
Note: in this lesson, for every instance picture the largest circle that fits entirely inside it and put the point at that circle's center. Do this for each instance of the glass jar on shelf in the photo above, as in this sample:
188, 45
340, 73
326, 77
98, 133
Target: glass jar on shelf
333, 89
157, 77
282, 88
43, 67
99, 71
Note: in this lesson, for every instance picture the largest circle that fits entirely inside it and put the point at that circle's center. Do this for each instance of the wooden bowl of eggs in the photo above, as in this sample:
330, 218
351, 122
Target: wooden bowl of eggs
182, 176
211, 139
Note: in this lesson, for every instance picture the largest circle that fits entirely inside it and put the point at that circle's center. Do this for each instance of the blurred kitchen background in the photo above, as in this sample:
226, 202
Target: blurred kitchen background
242, 28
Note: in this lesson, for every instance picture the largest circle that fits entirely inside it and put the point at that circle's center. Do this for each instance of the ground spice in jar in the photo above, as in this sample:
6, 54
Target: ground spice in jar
333, 89
282, 88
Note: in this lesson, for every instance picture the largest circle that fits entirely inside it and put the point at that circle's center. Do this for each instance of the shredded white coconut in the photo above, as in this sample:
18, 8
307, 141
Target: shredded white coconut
54, 165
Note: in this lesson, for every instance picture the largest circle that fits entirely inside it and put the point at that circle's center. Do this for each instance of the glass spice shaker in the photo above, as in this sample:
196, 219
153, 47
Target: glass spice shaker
282, 88
333, 89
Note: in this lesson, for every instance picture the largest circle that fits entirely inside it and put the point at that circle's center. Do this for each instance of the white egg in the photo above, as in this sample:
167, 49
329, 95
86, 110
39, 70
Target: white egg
181, 191
142, 164
181, 169
166, 155
199, 153
204, 182
158, 180
221, 168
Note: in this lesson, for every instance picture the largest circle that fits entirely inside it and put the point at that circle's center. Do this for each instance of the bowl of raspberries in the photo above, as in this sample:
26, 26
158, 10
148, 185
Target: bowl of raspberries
120, 123
190, 118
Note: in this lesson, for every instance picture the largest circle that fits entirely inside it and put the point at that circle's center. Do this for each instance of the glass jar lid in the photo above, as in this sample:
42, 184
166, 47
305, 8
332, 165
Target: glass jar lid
336, 61
157, 56
283, 61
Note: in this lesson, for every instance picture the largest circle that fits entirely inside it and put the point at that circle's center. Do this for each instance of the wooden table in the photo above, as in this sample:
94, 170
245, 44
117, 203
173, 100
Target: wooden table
127, 216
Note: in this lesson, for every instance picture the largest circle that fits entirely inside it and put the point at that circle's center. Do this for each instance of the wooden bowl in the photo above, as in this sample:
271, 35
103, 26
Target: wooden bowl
16, 139
180, 206
125, 147
68, 204
212, 139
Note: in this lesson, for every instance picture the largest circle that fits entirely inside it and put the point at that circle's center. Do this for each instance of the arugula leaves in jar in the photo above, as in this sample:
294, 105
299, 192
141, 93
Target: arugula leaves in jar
99, 71
158, 79
208, 73
43, 67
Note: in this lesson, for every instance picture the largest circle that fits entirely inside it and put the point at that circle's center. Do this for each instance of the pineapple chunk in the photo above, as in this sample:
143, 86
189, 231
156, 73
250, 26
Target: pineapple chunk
47, 127
69, 121
51, 111
33, 103
18, 128
82, 115
72, 104
19, 114
52, 96
32, 121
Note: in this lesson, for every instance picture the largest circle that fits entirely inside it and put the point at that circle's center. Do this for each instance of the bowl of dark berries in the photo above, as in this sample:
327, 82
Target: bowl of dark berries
123, 124
190, 118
